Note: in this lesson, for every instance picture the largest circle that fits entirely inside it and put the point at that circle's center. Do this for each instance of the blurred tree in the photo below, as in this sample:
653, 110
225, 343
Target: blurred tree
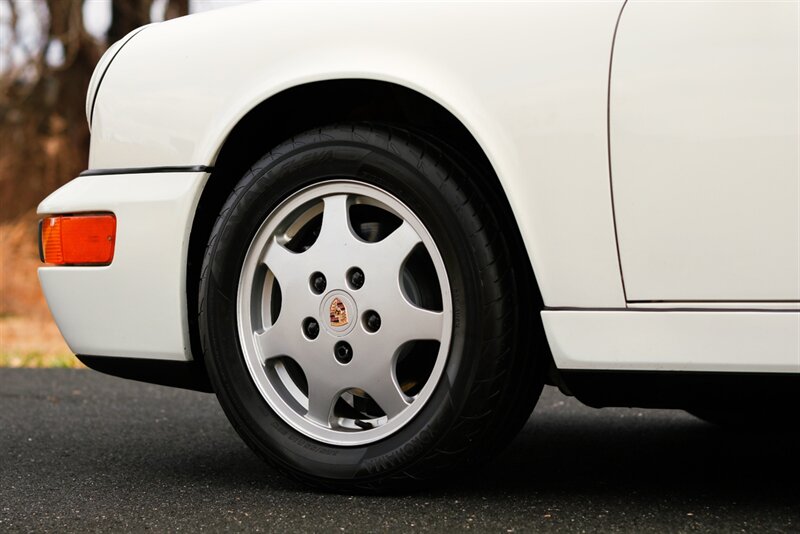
44, 138
127, 15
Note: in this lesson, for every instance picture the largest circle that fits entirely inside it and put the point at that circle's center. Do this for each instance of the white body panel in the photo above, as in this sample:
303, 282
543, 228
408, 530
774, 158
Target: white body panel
675, 340
540, 116
528, 80
135, 307
705, 150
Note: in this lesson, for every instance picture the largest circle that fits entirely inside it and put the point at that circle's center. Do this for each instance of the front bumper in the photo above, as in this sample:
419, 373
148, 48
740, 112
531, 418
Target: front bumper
136, 307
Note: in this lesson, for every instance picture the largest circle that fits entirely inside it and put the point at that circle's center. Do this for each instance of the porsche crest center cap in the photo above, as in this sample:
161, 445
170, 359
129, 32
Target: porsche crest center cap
338, 313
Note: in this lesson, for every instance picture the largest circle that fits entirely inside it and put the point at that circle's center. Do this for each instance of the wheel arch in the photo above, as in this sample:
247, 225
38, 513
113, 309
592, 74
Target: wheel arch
315, 104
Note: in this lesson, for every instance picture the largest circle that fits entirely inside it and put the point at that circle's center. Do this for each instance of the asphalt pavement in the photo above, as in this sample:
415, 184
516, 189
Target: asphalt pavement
80, 451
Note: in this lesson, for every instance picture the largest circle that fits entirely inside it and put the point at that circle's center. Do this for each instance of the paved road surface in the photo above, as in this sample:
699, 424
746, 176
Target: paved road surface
82, 451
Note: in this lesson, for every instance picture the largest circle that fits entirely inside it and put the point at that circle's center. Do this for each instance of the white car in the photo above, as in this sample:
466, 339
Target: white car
375, 230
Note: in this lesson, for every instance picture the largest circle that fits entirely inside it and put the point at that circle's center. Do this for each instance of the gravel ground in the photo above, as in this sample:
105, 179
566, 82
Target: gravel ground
80, 451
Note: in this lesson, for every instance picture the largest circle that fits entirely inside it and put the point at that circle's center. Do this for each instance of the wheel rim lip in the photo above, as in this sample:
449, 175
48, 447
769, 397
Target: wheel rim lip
244, 306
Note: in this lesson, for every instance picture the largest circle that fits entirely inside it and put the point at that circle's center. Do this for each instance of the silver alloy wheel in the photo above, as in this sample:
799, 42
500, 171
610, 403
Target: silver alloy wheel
383, 321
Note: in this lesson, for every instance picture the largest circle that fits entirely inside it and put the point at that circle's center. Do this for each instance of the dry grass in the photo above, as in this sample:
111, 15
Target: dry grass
28, 335
33, 342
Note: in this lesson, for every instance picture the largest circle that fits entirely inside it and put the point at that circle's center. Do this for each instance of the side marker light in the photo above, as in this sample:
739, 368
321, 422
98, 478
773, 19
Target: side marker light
78, 239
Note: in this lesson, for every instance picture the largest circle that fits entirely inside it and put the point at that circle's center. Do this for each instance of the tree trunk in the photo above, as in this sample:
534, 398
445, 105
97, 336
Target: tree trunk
43, 131
127, 15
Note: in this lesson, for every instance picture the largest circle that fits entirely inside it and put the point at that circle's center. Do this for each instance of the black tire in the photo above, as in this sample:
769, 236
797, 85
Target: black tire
487, 389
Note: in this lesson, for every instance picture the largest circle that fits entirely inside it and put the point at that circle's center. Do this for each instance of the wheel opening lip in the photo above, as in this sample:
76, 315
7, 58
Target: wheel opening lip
258, 367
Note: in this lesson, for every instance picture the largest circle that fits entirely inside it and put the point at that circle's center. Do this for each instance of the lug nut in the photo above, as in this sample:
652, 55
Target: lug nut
318, 282
355, 278
372, 321
343, 352
311, 328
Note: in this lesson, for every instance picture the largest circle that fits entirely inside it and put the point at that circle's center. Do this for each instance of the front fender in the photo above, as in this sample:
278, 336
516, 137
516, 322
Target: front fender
528, 80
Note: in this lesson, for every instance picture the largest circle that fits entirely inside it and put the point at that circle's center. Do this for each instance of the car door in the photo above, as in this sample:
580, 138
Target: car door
703, 131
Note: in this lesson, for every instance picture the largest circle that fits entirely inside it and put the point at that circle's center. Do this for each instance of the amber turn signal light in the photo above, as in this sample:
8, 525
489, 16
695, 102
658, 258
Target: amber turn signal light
78, 239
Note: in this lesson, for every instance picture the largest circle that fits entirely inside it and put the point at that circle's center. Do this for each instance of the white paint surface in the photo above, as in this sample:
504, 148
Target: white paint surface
705, 150
675, 340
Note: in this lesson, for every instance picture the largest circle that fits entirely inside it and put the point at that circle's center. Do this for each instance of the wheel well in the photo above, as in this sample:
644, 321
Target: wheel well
317, 104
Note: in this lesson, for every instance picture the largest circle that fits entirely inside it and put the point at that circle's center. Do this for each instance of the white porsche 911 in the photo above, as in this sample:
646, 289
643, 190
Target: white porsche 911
375, 230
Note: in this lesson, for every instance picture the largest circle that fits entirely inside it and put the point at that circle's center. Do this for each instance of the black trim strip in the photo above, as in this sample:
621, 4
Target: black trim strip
634, 310
178, 374
701, 301
682, 389
146, 170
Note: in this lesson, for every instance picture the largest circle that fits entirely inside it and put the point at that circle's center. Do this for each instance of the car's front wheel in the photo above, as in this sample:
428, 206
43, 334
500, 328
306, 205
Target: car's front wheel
359, 311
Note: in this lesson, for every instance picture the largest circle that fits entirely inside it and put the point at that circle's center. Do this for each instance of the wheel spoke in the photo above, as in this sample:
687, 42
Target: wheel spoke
411, 323
276, 341
280, 260
322, 396
335, 219
395, 248
388, 395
